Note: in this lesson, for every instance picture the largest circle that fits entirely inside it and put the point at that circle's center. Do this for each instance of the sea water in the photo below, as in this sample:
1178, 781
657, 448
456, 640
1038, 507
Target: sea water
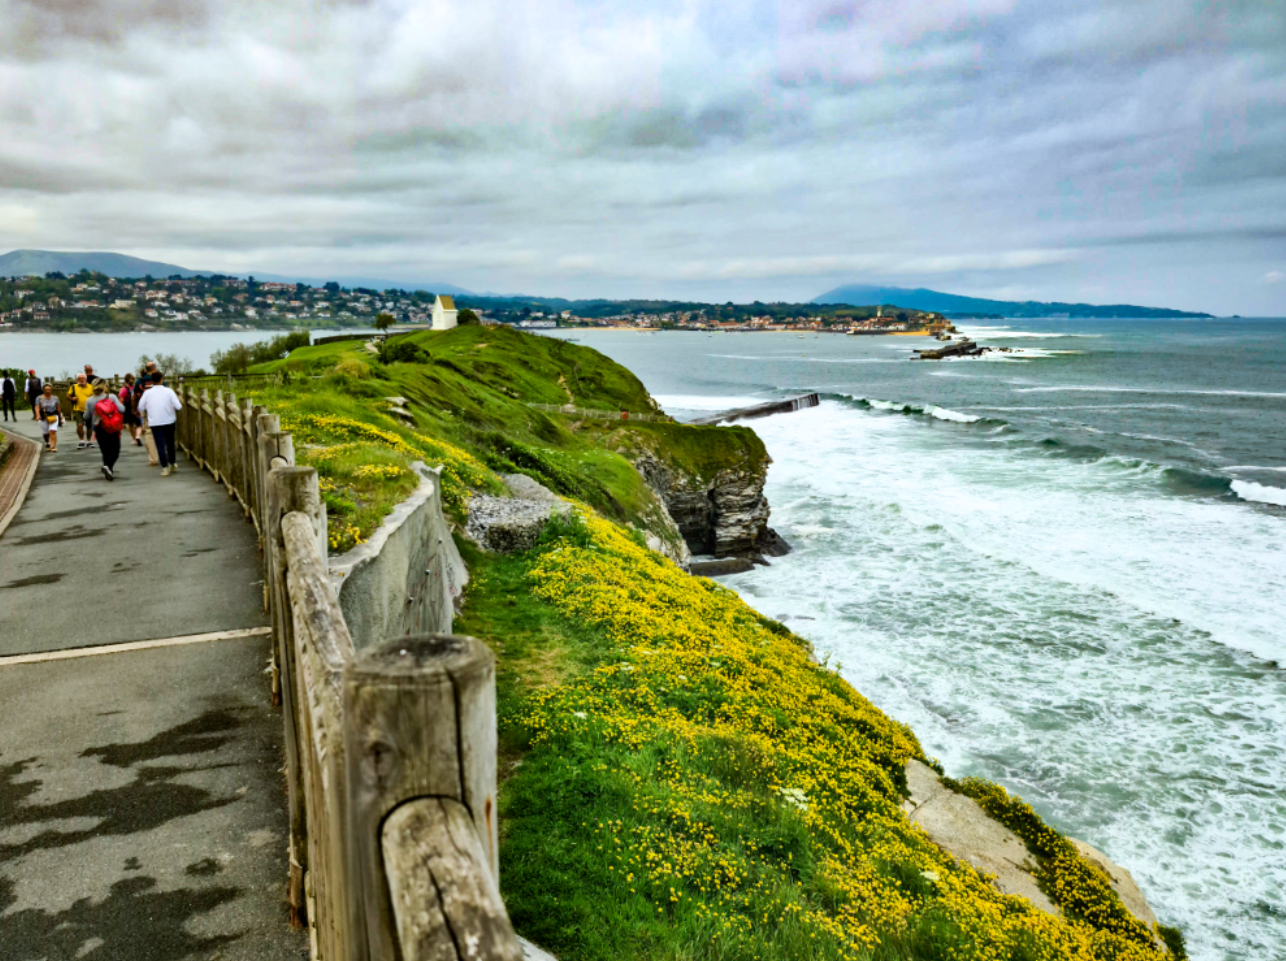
1064, 567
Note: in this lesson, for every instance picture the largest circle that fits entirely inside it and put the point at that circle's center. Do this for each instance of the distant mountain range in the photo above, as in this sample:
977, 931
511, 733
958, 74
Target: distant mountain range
919, 298
22, 263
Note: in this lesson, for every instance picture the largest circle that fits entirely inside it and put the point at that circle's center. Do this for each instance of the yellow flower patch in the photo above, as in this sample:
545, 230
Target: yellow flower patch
698, 669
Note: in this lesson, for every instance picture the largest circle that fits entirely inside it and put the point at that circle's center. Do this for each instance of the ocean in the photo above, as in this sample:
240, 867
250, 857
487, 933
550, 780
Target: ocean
1064, 567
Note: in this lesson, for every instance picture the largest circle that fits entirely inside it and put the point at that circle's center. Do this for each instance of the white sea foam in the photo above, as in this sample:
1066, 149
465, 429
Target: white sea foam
1253, 467
1068, 628
1012, 355
1106, 389
1259, 493
943, 413
929, 410
1005, 333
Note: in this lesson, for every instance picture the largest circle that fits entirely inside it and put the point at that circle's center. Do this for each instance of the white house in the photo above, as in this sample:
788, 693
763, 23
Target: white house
444, 312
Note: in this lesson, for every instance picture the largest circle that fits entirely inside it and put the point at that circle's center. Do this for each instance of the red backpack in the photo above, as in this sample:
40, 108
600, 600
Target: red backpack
110, 418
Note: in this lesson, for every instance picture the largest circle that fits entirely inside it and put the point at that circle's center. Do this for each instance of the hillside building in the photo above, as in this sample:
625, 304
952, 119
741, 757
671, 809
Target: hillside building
444, 312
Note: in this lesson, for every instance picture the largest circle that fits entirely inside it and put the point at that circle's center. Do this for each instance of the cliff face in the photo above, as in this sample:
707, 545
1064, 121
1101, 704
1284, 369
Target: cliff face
725, 514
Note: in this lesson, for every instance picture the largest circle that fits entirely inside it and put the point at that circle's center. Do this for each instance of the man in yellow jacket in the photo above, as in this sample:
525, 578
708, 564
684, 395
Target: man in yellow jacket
79, 395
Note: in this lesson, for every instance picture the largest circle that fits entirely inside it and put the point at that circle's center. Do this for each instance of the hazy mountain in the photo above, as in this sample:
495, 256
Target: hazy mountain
21, 263
920, 298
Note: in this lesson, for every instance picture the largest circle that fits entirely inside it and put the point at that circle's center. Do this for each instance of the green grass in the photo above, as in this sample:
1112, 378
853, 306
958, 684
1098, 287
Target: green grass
577, 872
473, 392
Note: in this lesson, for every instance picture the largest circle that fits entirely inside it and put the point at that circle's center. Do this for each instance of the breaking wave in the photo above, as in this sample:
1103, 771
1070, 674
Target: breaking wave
922, 410
1259, 493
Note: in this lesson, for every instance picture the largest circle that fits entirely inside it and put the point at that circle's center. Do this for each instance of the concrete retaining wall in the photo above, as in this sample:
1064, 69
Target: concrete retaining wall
408, 578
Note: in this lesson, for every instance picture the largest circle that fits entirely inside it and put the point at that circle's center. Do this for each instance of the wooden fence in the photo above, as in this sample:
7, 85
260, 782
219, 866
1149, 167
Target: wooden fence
390, 745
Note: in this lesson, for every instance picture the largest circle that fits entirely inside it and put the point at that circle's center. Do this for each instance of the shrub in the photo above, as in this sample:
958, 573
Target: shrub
240, 357
402, 352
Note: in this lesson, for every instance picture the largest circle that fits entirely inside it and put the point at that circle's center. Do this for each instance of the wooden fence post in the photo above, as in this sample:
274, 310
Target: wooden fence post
420, 722
265, 426
290, 489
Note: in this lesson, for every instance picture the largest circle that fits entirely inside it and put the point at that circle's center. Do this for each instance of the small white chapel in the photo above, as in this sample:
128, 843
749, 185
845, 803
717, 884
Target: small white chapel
444, 312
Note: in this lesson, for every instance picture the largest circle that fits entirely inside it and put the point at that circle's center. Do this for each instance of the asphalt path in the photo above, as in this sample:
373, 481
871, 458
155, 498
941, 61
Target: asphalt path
88, 561
141, 797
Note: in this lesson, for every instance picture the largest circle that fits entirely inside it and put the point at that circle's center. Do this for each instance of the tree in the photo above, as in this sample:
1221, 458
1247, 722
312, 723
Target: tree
170, 364
383, 321
467, 318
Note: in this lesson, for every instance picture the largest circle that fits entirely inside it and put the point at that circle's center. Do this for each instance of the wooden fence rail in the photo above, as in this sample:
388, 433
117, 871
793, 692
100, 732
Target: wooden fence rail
390, 746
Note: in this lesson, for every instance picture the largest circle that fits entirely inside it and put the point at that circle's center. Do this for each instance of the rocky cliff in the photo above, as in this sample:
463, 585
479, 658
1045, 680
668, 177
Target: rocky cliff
723, 513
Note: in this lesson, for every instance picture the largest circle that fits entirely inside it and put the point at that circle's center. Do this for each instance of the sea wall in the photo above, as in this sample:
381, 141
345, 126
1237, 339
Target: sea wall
408, 577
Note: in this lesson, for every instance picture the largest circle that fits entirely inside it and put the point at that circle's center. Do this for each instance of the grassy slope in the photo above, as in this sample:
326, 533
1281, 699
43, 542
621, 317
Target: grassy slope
680, 780
472, 391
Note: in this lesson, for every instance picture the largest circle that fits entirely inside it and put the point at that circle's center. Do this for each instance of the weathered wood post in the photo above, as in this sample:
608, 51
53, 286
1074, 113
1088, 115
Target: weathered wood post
220, 416
207, 432
276, 449
290, 489
265, 425
420, 746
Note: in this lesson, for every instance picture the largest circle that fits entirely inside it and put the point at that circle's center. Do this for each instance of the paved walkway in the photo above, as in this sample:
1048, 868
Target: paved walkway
141, 799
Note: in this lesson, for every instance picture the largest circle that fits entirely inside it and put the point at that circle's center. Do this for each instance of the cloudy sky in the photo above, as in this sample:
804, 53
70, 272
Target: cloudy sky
1129, 151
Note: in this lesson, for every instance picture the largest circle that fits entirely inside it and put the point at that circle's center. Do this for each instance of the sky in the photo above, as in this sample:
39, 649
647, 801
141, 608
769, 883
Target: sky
1107, 152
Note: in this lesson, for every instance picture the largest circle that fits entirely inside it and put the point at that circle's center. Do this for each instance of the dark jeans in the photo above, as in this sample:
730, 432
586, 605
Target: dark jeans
163, 435
109, 445
9, 407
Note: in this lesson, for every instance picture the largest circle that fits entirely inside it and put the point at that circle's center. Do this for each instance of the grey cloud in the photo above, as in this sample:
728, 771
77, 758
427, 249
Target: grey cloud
766, 149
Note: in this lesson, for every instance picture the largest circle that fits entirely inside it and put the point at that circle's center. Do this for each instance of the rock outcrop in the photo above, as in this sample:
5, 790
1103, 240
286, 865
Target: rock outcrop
960, 826
725, 515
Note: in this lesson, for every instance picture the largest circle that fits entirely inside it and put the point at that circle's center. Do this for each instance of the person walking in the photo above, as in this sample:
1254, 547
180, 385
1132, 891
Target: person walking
79, 394
50, 412
9, 397
132, 423
141, 387
106, 416
34, 389
161, 406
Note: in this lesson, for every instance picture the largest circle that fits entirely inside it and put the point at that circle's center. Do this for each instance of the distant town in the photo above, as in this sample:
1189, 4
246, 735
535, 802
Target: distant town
92, 301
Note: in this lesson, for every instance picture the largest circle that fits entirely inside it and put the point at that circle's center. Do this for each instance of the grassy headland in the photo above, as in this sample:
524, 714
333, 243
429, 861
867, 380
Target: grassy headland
680, 778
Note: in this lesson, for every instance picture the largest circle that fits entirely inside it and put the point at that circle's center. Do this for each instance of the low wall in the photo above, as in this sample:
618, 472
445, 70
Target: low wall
408, 578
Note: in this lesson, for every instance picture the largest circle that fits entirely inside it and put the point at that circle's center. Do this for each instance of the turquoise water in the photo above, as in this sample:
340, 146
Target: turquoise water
1066, 572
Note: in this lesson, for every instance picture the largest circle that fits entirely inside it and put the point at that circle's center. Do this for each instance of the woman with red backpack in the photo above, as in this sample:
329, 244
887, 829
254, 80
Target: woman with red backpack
106, 414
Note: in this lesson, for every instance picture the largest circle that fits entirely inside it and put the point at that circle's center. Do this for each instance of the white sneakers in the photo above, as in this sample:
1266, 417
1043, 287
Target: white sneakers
165, 472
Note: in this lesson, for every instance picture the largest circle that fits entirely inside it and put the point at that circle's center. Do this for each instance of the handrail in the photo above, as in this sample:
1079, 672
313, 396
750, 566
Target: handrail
390, 750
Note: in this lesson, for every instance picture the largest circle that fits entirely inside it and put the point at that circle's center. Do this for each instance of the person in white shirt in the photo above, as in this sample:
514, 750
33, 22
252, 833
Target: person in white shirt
161, 406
